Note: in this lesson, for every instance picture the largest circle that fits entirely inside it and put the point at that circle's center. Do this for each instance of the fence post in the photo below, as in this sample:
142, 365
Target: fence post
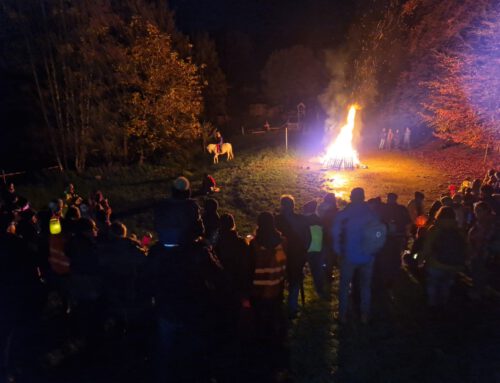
286, 139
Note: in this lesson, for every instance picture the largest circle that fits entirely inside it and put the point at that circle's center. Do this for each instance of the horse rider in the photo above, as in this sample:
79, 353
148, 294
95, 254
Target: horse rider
220, 141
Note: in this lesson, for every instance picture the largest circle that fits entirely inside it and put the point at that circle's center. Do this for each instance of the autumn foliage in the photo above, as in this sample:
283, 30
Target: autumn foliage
426, 64
162, 91
114, 81
464, 100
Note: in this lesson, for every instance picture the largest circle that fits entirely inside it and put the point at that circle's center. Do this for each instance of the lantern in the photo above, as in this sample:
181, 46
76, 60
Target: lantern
55, 226
421, 221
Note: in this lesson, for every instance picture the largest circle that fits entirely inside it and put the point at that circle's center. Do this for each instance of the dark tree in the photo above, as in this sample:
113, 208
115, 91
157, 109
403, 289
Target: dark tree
106, 77
213, 78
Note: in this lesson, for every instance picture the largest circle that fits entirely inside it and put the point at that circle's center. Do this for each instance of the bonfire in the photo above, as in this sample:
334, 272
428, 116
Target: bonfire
340, 154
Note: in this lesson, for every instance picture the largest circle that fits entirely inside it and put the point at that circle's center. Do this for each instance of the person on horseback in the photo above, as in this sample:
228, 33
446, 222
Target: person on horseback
220, 141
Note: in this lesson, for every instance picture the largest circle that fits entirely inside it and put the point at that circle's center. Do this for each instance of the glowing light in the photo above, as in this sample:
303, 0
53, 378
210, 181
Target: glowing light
340, 154
335, 181
55, 226
421, 221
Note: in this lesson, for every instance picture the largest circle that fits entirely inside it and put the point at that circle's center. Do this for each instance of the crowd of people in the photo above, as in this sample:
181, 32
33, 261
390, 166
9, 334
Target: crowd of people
200, 282
394, 139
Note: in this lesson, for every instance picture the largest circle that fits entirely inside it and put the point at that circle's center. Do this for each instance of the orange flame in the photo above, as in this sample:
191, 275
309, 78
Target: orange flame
340, 154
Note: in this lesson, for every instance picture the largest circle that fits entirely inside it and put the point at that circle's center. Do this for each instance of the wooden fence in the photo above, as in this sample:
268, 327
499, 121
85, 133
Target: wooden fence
12, 174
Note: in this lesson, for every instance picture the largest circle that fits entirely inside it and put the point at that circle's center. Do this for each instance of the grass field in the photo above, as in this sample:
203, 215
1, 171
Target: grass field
402, 344
254, 181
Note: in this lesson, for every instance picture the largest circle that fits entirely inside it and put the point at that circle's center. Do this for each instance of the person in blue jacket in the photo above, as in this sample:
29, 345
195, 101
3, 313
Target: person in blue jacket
348, 229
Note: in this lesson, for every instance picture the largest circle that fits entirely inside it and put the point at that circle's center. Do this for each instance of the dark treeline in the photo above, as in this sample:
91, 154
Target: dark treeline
84, 83
103, 82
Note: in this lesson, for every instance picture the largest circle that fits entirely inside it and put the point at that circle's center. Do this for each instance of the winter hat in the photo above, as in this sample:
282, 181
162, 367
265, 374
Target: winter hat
181, 184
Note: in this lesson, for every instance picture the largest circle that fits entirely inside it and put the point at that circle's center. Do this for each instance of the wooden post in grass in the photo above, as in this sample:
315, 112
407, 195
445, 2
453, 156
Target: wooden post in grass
286, 139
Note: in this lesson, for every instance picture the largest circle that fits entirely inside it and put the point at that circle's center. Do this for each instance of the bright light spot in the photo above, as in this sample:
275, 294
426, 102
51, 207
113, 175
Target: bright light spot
335, 182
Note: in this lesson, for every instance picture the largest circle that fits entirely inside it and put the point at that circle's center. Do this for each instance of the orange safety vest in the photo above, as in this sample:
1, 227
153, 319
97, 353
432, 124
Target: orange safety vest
269, 274
59, 262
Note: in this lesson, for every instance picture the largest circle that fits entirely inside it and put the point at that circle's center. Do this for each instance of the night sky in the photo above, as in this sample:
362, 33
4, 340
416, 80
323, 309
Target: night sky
278, 22
264, 26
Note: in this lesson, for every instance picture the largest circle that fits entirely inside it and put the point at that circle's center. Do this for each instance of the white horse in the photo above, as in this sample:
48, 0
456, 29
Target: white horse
226, 148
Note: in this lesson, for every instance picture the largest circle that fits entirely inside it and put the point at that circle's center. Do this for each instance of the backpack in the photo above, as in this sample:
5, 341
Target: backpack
373, 236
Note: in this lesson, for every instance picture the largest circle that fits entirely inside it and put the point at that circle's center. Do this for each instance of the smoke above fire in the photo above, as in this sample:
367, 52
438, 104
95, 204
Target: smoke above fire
342, 127
336, 95
339, 95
